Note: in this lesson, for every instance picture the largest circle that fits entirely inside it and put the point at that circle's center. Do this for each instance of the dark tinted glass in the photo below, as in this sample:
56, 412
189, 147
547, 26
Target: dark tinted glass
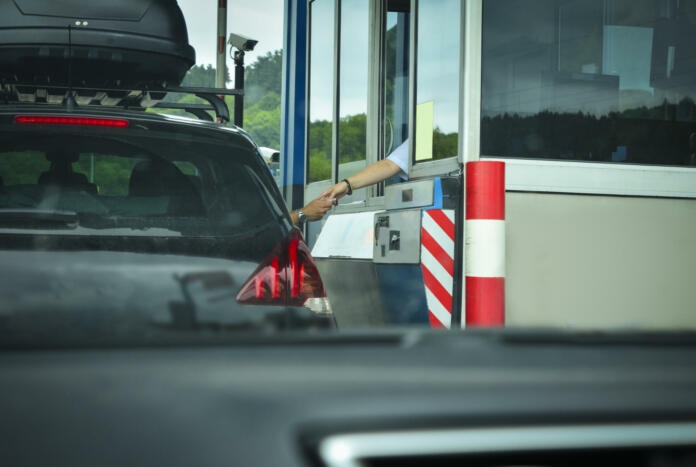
590, 80
132, 183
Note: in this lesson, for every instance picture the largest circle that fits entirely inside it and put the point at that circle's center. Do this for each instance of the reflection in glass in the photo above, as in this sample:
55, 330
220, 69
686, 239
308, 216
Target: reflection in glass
396, 77
437, 93
320, 90
352, 126
599, 80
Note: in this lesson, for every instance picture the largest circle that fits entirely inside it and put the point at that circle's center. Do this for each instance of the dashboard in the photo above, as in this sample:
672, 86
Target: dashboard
398, 397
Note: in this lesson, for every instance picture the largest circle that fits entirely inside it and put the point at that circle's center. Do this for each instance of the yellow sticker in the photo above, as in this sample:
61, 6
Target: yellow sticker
424, 130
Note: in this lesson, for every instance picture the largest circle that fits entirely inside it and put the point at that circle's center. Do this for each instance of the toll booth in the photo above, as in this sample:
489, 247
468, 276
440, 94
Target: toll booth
589, 104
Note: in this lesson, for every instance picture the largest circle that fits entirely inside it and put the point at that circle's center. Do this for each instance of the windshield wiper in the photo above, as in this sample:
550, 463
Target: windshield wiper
38, 218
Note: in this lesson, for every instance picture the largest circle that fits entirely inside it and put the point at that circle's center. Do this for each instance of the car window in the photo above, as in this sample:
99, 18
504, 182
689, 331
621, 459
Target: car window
144, 182
110, 173
22, 167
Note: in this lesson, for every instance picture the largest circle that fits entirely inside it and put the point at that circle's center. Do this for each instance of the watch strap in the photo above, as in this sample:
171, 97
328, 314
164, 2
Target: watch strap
301, 217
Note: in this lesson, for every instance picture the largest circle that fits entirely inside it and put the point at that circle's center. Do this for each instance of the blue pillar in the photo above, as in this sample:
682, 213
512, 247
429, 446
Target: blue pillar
292, 109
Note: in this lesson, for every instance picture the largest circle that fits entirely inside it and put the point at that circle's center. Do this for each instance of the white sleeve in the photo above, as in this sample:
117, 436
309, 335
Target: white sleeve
399, 156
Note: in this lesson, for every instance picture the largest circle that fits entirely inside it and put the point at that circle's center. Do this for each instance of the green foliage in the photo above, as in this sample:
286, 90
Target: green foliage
263, 77
262, 120
319, 166
111, 173
202, 76
262, 88
352, 137
22, 168
444, 144
319, 150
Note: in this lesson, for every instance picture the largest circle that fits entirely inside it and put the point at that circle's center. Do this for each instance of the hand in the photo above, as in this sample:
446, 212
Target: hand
317, 208
336, 192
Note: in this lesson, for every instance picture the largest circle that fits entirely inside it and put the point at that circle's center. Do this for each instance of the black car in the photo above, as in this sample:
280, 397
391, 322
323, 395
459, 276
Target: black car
127, 225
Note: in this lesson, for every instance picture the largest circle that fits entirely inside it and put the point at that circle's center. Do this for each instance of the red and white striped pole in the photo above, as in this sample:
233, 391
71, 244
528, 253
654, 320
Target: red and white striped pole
485, 243
220, 70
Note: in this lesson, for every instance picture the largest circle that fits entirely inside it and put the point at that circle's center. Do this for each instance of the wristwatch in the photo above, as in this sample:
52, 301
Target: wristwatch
301, 218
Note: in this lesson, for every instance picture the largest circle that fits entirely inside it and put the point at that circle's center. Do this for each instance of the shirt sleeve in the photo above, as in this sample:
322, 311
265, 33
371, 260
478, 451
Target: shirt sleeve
399, 156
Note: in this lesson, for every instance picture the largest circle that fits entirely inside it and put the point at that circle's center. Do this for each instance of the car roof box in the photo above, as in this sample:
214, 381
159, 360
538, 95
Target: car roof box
110, 43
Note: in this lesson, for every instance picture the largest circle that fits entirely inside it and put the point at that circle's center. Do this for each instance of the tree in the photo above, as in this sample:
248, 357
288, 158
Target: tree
262, 120
262, 77
262, 88
202, 76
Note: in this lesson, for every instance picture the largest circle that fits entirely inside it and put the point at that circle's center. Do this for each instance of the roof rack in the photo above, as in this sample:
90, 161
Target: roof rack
130, 97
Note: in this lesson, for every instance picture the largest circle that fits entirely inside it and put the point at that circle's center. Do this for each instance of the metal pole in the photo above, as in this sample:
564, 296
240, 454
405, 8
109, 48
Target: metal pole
239, 84
221, 69
485, 243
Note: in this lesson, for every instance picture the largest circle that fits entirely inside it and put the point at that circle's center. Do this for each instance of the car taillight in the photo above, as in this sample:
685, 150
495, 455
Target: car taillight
288, 276
61, 120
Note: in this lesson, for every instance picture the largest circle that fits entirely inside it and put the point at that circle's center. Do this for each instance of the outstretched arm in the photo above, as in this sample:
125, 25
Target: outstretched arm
314, 210
374, 173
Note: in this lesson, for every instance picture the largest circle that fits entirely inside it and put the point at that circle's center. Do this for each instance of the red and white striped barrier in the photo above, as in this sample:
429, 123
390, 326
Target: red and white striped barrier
437, 264
485, 244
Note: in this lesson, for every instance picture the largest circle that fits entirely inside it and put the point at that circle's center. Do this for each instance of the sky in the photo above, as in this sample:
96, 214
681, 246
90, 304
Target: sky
257, 19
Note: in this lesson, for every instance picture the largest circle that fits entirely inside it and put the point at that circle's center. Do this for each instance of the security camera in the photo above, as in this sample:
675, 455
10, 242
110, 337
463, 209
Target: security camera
242, 43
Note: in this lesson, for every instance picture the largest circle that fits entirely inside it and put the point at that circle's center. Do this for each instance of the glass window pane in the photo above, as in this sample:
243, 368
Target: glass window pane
353, 87
437, 83
320, 119
22, 167
110, 174
599, 80
396, 53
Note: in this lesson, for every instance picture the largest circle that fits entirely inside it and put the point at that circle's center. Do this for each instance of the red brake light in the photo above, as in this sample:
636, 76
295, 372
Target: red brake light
288, 276
61, 120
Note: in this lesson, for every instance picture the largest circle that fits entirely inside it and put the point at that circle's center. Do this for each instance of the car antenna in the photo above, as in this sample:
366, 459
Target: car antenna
70, 99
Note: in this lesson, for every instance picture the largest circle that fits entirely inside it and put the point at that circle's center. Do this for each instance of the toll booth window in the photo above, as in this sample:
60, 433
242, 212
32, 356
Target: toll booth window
320, 126
437, 82
590, 80
352, 100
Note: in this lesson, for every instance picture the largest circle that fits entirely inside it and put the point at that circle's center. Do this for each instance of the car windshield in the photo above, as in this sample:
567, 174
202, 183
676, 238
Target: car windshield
348, 233
518, 165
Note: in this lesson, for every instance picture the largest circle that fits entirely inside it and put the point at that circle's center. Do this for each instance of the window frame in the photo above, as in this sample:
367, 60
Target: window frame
314, 186
313, 189
433, 168
372, 197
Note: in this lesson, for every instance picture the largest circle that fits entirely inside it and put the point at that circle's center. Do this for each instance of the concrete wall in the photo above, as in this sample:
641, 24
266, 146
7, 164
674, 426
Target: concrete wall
600, 261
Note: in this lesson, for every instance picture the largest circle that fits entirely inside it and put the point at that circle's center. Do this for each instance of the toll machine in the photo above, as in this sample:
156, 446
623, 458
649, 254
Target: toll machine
588, 104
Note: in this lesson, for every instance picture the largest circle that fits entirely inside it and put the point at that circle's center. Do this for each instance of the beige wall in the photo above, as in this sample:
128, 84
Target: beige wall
600, 261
